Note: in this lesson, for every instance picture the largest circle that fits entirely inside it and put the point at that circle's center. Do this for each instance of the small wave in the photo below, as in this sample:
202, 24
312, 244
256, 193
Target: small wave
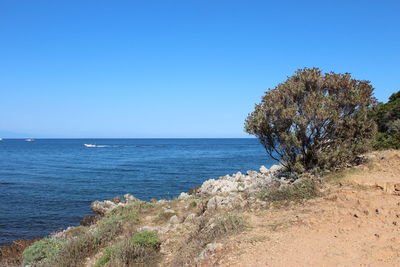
123, 146
6, 183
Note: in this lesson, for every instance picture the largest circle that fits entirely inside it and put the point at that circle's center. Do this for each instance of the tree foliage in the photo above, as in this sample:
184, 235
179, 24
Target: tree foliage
387, 117
314, 120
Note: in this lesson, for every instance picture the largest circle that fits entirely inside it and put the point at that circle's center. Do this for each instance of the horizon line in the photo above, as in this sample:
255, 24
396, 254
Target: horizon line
18, 138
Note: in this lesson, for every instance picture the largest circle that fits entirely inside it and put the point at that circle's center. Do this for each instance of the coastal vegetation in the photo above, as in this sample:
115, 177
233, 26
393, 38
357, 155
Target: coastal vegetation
314, 120
142, 249
387, 117
44, 251
316, 125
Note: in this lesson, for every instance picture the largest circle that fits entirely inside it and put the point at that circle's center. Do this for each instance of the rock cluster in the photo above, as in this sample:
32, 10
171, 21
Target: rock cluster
223, 192
103, 207
238, 182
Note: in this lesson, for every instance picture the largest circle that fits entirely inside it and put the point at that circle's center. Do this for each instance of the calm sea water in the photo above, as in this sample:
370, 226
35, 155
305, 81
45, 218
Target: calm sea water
49, 184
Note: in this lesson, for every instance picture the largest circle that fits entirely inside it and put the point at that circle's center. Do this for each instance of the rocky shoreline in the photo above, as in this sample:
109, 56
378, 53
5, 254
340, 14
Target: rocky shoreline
225, 192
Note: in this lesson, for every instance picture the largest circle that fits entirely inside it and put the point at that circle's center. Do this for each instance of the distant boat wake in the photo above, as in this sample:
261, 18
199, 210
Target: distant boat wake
93, 145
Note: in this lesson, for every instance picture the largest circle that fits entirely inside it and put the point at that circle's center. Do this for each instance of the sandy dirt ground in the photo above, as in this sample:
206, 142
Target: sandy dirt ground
355, 223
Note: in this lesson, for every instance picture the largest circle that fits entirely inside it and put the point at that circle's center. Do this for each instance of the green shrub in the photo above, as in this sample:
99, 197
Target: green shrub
304, 189
146, 239
315, 120
387, 117
105, 258
107, 228
76, 250
42, 250
193, 204
142, 249
127, 213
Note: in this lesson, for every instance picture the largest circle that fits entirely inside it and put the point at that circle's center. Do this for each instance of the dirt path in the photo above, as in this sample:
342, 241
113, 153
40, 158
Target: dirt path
356, 223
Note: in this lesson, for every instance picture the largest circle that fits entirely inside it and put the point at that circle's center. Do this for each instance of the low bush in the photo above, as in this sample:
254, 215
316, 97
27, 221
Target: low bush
108, 228
127, 213
146, 239
105, 258
76, 250
304, 189
42, 251
142, 249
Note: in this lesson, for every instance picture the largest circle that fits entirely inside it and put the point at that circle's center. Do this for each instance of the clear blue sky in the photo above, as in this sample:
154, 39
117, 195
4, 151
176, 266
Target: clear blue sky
177, 68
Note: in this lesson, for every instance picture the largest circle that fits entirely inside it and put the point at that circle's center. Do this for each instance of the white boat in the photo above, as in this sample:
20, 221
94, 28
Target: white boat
89, 145
29, 140
1, 139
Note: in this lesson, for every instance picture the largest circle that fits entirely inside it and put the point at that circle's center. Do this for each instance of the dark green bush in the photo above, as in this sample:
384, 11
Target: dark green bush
387, 117
315, 120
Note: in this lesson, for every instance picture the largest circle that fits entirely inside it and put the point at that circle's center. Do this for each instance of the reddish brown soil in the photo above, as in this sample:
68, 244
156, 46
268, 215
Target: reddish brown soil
11, 255
356, 223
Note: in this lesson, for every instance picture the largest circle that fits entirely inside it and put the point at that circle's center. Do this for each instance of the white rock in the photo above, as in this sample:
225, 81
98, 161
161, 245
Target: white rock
275, 168
238, 176
102, 207
184, 195
264, 170
217, 202
129, 199
169, 211
148, 228
191, 218
174, 220
252, 173
221, 202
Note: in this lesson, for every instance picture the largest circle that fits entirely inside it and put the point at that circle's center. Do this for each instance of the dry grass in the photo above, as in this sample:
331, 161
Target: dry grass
74, 232
142, 249
163, 217
305, 189
339, 177
208, 231
89, 243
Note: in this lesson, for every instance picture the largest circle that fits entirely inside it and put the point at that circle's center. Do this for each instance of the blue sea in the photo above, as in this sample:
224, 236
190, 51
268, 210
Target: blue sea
48, 184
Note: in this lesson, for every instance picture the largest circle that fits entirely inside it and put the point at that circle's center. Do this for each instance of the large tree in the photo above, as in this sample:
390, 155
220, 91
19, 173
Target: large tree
315, 120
